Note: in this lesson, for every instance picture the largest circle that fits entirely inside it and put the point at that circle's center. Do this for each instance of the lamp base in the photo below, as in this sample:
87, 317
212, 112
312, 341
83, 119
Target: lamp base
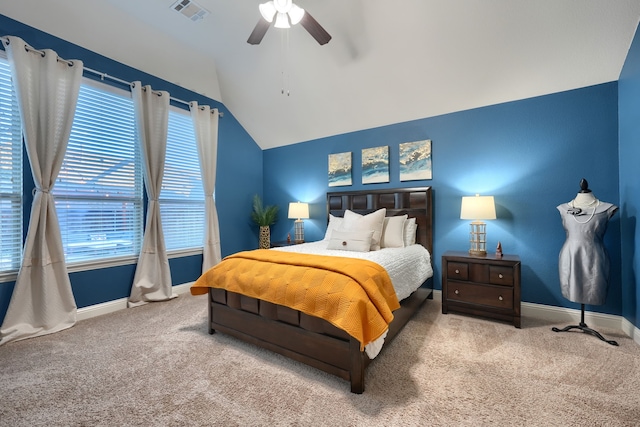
478, 238
477, 253
298, 227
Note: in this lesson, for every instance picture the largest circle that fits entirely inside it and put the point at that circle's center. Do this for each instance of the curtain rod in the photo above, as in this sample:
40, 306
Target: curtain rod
124, 82
99, 73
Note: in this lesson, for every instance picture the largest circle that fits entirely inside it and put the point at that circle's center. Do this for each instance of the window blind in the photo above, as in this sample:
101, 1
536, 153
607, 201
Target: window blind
182, 195
98, 193
10, 173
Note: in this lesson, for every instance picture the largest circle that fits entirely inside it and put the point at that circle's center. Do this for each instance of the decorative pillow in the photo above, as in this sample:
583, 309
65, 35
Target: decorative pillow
373, 221
393, 232
410, 228
334, 223
357, 241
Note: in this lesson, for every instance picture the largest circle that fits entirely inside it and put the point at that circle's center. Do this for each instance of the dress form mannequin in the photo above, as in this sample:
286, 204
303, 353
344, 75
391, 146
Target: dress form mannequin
583, 261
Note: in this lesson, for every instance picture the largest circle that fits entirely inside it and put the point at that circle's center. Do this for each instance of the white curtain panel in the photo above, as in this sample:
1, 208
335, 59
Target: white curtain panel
47, 91
205, 123
152, 280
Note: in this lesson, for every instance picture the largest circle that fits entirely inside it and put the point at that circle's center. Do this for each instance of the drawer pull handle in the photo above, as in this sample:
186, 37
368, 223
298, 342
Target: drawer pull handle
457, 271
457, 292
500, 276
500, 297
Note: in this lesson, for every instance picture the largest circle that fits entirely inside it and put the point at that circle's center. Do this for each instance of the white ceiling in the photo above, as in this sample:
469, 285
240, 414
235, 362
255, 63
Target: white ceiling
388, 62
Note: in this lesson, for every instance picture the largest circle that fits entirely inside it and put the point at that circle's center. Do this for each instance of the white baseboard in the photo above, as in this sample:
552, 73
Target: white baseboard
564, 315
556, 314
631, 330
119, 304
569, 315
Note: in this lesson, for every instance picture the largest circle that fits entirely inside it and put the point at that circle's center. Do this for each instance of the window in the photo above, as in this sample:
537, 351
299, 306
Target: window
182, 196
10, 173
98, 193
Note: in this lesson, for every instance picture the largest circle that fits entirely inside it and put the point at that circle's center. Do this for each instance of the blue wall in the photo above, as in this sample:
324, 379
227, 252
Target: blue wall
629, 105
239, 176
529, 154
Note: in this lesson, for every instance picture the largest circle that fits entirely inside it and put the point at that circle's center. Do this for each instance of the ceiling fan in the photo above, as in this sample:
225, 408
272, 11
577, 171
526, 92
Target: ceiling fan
286, 14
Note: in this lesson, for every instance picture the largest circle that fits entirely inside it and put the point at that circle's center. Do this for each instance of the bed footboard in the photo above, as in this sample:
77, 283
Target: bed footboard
298, 336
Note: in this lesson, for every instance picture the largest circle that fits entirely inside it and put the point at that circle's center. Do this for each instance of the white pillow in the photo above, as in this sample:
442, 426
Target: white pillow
410, 228
357, 241
334, 223
393, 232
373, 221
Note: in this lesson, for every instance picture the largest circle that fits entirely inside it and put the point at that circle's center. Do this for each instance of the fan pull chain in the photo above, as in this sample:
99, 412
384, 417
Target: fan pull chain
284, 48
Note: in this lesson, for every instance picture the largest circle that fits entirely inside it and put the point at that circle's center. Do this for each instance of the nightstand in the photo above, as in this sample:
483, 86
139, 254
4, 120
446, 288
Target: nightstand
486, 286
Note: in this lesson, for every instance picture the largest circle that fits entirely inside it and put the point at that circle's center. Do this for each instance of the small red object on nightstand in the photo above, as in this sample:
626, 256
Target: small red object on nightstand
499, 250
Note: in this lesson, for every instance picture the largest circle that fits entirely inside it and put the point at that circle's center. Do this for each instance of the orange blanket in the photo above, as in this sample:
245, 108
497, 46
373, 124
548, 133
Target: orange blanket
352, 294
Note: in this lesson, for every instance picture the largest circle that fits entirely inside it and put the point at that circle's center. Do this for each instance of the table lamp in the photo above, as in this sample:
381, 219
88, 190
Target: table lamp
478, 208
299, 211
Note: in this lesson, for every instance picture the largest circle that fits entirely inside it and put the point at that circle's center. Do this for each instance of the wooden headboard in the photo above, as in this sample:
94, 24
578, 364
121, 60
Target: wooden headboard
415, 202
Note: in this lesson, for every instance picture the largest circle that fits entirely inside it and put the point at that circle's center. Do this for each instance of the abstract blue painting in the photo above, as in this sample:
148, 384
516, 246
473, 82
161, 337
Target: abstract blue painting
375, 165
415, 160
340, 169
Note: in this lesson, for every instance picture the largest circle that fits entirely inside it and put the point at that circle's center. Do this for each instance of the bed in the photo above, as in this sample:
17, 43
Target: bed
310, 339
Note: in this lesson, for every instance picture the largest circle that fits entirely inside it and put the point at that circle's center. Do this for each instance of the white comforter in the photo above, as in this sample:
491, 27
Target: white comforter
407, 267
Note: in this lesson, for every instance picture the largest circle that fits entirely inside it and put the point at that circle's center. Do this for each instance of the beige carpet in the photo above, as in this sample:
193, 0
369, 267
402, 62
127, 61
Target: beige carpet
156, 365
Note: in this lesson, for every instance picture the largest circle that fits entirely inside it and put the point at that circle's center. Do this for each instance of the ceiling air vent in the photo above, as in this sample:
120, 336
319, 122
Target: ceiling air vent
190, 9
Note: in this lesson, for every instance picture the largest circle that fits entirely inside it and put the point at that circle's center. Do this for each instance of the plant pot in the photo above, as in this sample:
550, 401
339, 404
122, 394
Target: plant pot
265, 237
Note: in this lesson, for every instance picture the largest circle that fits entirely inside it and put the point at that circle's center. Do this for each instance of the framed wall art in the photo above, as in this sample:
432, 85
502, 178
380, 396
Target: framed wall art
415, 160
340, 169
375, 165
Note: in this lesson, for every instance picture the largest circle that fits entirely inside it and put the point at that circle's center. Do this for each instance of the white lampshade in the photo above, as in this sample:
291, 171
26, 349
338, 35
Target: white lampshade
478, 207
282, 21
283, 6
295, 14
298, 210
267, 10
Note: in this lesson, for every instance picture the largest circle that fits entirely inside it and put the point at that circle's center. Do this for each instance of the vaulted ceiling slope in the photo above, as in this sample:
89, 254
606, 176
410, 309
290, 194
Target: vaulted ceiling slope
388, 62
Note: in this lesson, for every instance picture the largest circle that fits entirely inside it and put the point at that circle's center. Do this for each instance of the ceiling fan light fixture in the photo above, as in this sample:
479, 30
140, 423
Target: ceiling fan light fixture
267, 10
285, 14
296, 14
282, 21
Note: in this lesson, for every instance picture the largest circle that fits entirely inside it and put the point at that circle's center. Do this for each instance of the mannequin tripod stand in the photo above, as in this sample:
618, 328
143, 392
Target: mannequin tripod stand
584, 328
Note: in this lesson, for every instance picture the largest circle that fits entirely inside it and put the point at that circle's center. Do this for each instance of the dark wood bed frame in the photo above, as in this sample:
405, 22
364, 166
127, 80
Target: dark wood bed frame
312, 340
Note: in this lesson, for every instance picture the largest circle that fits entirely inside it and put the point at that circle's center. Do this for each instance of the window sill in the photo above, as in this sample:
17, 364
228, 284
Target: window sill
107, 263
179, 253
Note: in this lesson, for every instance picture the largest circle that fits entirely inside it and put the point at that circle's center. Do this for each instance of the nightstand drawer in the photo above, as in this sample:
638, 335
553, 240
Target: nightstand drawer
458, 270
494, 296
499, 275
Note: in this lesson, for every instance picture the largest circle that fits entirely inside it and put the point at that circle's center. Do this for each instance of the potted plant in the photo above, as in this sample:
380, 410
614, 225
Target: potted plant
264, 216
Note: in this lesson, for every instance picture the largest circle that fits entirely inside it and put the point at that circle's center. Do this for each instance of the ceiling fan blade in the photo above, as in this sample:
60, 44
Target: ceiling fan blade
259, 31
315, 29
